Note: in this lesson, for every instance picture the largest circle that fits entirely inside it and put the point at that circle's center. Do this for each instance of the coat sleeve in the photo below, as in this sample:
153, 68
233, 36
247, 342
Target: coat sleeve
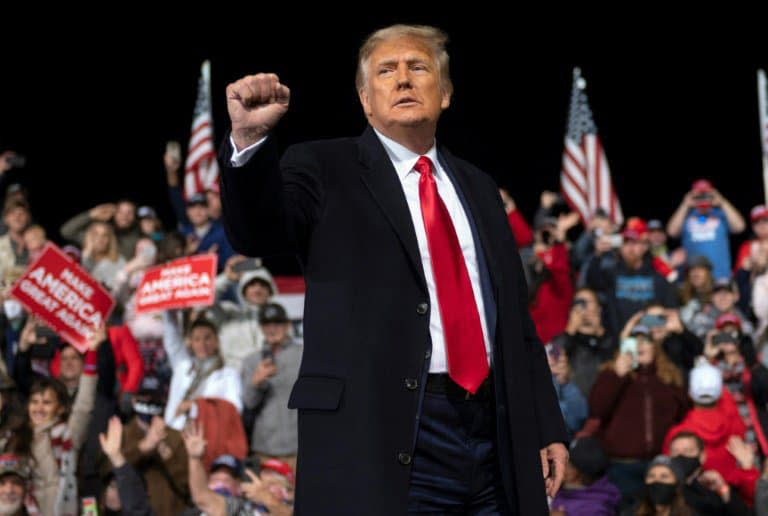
134, 364
133, 497
80, 417
270, 207
74, 229
550, 418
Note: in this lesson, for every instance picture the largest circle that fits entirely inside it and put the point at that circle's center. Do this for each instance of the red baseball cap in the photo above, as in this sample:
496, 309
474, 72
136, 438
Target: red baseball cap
635, 229
702, 186
758, 212
727, 318
279, 467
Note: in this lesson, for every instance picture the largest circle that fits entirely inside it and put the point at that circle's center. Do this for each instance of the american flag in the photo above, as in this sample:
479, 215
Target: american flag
762, 98
201, 172
585, 178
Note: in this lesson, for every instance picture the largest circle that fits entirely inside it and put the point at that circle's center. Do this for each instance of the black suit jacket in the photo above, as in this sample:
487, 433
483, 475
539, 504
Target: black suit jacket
339, 206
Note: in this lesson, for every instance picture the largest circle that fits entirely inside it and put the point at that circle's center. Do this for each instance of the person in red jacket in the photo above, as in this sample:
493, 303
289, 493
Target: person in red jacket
550, 289
715, 420
520, 228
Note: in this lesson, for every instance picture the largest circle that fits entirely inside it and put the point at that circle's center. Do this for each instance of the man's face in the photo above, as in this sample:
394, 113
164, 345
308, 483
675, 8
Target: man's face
657, 237
224, 482
402, 86
17, 220
685, 447
12, 492
125, 215
71, 364
198, 214
632, 252
256, 293
275, 333
723, 299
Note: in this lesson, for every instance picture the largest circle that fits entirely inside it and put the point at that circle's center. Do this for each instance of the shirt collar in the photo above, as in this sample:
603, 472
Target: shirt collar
404, 159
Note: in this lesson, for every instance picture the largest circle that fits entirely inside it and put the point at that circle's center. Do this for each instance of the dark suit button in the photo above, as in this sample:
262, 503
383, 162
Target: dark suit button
422, 308
411, 384
404, 458
427, 354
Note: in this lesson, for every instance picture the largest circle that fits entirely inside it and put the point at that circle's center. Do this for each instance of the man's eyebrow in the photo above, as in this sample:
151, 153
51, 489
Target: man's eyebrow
410, 61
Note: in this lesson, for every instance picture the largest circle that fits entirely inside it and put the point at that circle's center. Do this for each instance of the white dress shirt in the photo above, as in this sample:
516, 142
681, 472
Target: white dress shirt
404, 160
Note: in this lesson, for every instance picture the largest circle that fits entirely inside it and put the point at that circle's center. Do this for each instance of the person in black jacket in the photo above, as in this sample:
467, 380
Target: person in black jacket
705, 491
407, 255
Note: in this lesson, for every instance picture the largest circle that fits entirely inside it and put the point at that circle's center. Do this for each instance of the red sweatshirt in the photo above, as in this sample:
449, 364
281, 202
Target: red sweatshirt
520, 229
550, 309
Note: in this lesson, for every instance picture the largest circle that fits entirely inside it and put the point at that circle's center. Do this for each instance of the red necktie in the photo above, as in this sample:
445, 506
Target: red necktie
464, 346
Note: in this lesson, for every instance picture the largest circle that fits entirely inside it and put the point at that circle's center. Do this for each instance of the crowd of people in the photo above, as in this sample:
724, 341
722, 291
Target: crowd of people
658, 357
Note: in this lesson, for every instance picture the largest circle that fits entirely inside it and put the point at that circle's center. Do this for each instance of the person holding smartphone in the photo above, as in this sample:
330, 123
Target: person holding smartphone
637, 397
268, 376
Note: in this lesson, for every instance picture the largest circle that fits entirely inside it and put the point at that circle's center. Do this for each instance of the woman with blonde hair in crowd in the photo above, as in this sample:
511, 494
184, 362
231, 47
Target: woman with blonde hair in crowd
101, 254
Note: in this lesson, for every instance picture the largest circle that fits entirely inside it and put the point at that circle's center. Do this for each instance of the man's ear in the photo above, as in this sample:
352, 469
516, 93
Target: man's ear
364, 101
446, 100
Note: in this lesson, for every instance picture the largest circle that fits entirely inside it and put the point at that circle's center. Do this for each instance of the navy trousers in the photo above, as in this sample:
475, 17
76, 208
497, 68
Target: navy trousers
455, 466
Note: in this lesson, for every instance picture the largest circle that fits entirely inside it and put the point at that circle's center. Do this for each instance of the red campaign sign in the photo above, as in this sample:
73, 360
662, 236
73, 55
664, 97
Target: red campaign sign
179, 284
64, 296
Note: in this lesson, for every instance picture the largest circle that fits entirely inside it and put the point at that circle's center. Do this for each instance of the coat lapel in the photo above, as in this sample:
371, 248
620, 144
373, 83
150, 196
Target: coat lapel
380, 177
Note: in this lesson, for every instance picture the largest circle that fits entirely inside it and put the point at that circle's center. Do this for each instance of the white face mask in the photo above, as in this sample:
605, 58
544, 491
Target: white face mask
12, 308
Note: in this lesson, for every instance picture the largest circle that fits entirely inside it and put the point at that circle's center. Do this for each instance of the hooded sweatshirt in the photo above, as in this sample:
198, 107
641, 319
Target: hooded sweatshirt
239, 330
598, 499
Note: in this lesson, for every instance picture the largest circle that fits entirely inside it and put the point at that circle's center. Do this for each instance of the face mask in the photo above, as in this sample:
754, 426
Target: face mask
661, 494
687, 465
12, 308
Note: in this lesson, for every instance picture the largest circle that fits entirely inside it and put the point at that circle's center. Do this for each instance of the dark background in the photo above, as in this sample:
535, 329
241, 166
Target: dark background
93, 107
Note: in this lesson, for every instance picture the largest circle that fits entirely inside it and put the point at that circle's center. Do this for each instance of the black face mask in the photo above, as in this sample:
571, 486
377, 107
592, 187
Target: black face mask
687, 465
661, 494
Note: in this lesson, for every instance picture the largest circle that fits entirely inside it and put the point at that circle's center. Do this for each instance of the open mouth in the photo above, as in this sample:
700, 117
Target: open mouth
406, 101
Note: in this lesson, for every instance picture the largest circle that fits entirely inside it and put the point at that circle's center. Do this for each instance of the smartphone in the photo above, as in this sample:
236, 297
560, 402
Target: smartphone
174, 150
266, 353
247, 265
724, 337
629, 345
553, 350
149, 252
44, 332
653, 320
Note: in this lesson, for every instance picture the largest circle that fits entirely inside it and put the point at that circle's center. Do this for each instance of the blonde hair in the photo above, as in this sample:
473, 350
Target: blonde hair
433, 38
113, 251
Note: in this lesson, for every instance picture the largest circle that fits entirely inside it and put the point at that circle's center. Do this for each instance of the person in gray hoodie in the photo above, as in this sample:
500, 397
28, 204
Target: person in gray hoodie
268, 377
239, 332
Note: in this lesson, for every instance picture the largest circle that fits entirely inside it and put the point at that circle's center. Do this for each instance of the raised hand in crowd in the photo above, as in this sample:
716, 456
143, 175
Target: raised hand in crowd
8, 160
741, 451
265, 370
111, 442
714, 481
154, 436
548, 199
98, 336
623, 364
172, 162
229, 270
194, 440
256, 103
103, 212
29, 336
264, 493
